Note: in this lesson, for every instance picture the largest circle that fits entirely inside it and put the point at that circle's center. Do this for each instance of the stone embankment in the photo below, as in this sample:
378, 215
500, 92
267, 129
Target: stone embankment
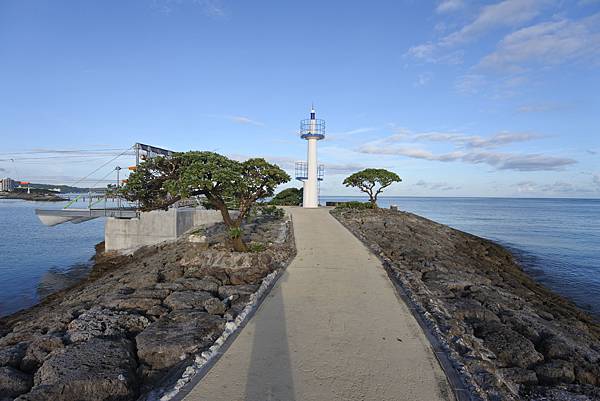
137, 321
512, 338
35, 196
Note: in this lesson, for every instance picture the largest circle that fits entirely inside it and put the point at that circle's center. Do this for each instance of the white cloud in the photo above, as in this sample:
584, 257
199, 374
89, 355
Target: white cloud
499, 160
449, 6
212, 8
470, 83
556, 188
463, 140
423, 79
539, 108
587, 2
596, 180
343, 168
507, 13
443, 186
289, 163
238, 119
245, 120
355, 131
546, 43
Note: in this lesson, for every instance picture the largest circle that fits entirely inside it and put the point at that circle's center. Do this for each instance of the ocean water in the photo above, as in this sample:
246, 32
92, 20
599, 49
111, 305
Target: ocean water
557, 241
35, 259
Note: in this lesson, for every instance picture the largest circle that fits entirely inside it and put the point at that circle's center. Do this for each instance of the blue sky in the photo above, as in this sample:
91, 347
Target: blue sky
459, 97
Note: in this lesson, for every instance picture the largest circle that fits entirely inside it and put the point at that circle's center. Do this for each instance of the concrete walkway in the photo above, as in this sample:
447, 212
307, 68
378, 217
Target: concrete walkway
331, 329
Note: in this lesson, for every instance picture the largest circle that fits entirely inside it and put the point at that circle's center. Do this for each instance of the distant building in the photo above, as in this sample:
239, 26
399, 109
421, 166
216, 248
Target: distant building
7, 185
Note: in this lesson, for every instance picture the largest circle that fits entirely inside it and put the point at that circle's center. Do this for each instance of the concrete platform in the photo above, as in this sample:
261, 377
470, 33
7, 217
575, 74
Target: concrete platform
331, 329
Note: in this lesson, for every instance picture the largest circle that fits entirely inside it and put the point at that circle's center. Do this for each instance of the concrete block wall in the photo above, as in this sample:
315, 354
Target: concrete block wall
127, 235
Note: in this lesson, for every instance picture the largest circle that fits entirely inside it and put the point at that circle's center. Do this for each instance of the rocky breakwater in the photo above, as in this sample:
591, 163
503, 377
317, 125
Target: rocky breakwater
42, 196
511, 338
138, 320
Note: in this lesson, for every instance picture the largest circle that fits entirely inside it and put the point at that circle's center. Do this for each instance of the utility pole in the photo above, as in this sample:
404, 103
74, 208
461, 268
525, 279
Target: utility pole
118, 170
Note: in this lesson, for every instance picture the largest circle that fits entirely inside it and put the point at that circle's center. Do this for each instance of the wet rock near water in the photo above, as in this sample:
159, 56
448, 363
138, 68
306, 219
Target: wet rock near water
514, 339
137, 319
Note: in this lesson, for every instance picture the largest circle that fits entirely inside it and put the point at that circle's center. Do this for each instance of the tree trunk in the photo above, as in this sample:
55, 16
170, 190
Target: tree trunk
225, 214
238, 242
239, 245
374, 203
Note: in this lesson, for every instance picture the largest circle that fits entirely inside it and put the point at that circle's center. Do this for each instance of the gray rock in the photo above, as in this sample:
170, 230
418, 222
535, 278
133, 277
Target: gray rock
37, 351
555, 348
555, 372
100, 322
99, 369
157, 310
176, 335
131, 303
207, 284
230, 267
519, 375
168, 286
234, 310
587, 373
12, 356
157, 293
239, 292
215, 306
187, 300
14, 382
510, 347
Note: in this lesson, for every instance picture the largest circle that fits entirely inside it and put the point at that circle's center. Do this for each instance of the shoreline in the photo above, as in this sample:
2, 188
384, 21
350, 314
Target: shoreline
540, 276
138, 313
508, 335
33, 197
505, 333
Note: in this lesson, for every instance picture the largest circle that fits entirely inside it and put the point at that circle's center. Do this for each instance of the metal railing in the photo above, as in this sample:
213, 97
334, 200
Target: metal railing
312, 129
301, 171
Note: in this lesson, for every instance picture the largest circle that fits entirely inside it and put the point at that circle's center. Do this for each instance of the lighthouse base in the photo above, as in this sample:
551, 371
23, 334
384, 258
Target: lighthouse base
310, 197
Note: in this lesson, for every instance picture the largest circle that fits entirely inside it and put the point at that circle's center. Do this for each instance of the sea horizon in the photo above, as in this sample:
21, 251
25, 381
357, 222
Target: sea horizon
508, 226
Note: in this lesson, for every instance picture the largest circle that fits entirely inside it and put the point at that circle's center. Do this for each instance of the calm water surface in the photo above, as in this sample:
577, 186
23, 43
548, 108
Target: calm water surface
35, 259
556, 240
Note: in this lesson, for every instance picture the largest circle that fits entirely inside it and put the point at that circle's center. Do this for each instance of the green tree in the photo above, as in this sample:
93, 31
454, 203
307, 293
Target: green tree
372, 181
159, 182
288, 197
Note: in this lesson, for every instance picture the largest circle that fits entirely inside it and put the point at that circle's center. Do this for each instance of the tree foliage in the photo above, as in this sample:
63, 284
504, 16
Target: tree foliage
159, 182
288, 197
372, 181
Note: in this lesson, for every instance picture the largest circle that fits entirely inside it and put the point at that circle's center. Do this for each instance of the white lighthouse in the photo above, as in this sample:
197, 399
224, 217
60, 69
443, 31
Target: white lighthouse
310, 172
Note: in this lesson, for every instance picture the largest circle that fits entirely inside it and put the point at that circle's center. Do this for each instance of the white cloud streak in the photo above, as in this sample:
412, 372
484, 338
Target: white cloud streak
498, 160
245, 121
556, 188
463, 140
507, 13
547, 43
211, 8
441, 186
447, 6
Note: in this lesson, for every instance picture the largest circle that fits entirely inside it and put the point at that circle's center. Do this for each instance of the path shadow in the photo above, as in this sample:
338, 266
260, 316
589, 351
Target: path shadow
270, 371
